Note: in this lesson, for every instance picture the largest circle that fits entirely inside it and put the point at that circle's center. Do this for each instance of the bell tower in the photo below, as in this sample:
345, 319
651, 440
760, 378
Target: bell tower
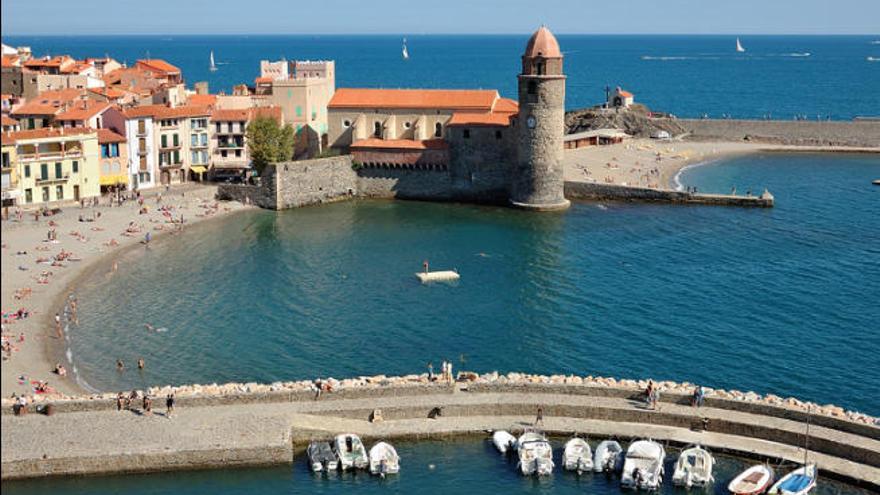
538, 182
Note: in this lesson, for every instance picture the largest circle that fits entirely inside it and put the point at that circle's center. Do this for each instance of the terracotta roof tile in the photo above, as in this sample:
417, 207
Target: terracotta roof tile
266, 79
400, 144
205, 100
480, 119
624, 93
159, 65
8, 121
11, 61
505, 105
227, 114
450, 99
108, 136
38, 108
83, 110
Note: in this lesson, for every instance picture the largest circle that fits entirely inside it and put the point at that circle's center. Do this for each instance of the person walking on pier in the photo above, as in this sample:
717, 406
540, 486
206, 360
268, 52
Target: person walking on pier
430, 372
697, 400
539, 418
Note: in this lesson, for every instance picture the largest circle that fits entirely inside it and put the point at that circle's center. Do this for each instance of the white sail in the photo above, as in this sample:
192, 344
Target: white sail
405, 51
213, 65
739, 47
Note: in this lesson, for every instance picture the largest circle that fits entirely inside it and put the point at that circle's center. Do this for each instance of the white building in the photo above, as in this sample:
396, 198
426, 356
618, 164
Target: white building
620, 98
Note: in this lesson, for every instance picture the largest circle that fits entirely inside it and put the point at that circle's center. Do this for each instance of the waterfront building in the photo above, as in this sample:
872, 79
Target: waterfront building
54, 165
116, 96
83, 113
229, 153
303, 90
8, 174
34, 84
114, 160
10, 124
49, 64
41, 111
140, 141
490, 148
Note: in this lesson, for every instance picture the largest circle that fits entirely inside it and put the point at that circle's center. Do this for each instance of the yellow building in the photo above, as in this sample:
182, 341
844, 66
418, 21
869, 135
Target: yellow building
9, 175
54, 166
114, 160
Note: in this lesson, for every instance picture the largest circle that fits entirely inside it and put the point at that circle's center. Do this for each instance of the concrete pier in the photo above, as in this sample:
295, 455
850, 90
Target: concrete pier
613, 192
266, 429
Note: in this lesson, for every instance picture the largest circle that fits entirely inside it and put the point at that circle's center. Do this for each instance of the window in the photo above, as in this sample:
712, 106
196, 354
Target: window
438, 129
229, 127
314, 115
377, 129
105, 168
164, 140
27, 170
31, 124
44, 174
223, 153
204, 140
238, 153
46, 194
75, 166
346, 123
497, 134
28, 196
195, 157
533, 87
177, 157
176, 140
59, 192
142, 126
299, 111
114, 150
467, 133
194, 139
539, 68
219, 127
105, 150
116, 169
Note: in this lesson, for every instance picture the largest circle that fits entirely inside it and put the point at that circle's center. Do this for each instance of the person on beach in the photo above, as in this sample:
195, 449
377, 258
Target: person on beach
148, 405
430, 372
539, 418
73, 311
120, 402
58, 325
141, 363
120, 366
169, 405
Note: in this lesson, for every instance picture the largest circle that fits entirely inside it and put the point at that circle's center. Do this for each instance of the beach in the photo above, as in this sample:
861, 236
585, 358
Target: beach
40, 288
656, 163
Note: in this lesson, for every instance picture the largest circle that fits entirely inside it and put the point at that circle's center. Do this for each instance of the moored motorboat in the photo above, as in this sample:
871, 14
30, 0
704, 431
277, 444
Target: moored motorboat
643, 465
535, 454
753, 481
694, 468
384, 459
504, 441
577, 455
608, 457
350, 451
321, 456
798, 482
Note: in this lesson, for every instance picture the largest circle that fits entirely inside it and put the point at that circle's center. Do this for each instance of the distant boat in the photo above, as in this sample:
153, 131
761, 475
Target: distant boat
405, 51
739, 47
213, 67
873, 59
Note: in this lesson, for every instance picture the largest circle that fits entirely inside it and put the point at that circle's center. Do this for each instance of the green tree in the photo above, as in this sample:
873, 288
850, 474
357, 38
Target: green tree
269, 142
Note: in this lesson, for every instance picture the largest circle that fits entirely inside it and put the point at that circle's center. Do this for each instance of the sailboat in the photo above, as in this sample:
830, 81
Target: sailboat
213, 67
739, 47
801, 480
405, 51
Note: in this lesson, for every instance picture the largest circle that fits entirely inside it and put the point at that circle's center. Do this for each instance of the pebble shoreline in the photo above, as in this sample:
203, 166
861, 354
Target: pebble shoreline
513, 378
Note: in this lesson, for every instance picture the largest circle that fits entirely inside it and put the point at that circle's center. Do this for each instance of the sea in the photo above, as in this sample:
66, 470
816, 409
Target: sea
779, 77
780, 300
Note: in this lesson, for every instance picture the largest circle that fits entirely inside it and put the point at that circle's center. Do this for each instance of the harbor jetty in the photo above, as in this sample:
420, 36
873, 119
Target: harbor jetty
251, 424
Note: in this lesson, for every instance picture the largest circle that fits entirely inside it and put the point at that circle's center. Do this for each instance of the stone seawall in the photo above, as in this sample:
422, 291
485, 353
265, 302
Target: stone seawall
798, 133
612, 192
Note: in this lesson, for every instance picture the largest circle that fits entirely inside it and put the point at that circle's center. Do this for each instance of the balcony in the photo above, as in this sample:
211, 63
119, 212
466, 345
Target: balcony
170, 165
230, 145
169, 146
51, 180
50, 155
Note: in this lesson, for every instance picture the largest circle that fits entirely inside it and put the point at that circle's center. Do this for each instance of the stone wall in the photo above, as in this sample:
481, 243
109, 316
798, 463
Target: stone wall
803, 133
611, 192
481, 163
308, 182
246, 194
433, 185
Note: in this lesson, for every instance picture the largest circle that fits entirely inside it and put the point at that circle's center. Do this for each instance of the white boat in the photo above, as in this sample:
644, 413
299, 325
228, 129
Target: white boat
798, 482
321, 457
753, 481
873, 59
535, 454
739, 47
577, 455
607, 457
643, 465
384, 459
351, 452
504, 441
405, 51
694, 468
213, 66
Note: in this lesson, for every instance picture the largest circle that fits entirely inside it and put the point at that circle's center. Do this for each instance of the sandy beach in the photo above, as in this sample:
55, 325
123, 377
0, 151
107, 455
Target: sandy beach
36, 279
653, 163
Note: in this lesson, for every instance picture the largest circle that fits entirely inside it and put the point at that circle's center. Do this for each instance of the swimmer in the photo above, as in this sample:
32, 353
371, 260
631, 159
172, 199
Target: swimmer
149, 327
141, 363
120, 366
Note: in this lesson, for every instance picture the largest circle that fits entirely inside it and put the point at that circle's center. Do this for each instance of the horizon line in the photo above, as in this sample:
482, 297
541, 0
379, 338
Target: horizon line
559, 33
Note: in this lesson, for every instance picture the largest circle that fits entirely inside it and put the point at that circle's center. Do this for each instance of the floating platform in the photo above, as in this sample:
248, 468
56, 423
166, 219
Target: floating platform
876, 182
440, 276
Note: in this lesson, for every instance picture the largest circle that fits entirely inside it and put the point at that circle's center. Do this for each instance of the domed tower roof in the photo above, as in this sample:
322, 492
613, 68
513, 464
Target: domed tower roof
543, 44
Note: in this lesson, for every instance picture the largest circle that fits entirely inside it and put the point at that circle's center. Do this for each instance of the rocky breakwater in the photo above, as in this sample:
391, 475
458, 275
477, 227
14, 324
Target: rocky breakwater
419, 384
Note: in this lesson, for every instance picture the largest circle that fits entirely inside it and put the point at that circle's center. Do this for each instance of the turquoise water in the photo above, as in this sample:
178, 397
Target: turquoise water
685, 75
780, 300
458, 467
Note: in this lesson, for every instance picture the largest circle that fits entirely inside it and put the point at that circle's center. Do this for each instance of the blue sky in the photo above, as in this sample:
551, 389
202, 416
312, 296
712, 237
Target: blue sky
21, 17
